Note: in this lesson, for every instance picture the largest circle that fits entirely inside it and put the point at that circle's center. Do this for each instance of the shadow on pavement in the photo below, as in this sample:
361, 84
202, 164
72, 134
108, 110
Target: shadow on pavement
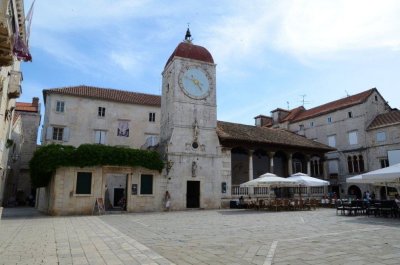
20, 212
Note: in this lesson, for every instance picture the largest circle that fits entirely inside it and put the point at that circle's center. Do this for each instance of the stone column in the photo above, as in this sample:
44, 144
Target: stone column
308, 158
290, 164
251, 164
271, 161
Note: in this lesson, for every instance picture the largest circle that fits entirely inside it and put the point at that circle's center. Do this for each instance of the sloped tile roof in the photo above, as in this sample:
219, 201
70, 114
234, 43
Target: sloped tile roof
331, 106
26, 107
385, 119
106, 94
191, 51
293, 113
249, 133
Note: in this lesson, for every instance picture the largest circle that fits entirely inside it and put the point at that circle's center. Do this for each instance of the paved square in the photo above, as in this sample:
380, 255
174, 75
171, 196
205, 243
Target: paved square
199, 237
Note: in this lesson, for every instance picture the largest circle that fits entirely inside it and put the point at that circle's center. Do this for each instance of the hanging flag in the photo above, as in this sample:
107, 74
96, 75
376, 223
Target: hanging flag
28, 22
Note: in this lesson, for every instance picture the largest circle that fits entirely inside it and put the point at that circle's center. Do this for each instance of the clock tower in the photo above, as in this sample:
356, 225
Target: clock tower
188, 138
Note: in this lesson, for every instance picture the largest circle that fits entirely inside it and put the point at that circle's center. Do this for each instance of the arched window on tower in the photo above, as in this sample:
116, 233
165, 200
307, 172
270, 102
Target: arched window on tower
355, 164
361, 163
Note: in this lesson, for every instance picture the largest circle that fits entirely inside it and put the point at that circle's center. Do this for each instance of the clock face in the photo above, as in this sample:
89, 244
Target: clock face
195, 83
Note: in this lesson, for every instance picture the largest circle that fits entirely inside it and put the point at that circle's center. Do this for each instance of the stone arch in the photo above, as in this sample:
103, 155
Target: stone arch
316, 166
299, 163
280, 164
261, 163
239, 165
354, 190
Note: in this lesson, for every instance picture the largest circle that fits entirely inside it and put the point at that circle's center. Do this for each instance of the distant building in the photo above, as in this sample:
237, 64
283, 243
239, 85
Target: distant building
362, 128
24, 136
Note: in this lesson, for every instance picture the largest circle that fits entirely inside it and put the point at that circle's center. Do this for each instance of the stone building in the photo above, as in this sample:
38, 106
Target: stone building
84, 114
352, 126
205, 159
24, 135
12, 37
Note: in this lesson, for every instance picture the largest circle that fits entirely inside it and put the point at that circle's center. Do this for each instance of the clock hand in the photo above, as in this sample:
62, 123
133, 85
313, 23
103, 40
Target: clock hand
197, 83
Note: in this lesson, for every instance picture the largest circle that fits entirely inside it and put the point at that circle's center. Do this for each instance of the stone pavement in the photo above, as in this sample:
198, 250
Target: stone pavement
199, 237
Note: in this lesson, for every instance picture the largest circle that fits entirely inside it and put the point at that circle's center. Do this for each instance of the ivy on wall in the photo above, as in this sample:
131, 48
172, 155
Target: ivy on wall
48, 158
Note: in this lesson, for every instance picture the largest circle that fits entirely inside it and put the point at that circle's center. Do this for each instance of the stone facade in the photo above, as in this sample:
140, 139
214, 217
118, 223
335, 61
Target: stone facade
74, 118
189, 140
10, 78
61, 196
24, 135
344, 125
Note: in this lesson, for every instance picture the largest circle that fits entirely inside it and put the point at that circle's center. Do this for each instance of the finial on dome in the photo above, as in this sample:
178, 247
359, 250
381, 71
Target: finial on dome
188, 36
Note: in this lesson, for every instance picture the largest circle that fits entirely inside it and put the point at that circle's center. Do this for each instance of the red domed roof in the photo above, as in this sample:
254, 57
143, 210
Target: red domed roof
191, 51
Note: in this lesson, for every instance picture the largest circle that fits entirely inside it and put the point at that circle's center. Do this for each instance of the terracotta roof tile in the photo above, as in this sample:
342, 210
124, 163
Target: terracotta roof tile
191, 51
26, 107
293, 113
248, 133
106, 94
333, 106
385, 119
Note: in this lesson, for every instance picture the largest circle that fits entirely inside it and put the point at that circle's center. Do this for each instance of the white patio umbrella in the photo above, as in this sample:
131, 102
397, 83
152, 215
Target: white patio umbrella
305, 180
387, 174
269, 180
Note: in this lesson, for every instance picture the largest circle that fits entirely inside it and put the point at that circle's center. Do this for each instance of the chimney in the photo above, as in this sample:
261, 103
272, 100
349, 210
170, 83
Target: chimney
35, 102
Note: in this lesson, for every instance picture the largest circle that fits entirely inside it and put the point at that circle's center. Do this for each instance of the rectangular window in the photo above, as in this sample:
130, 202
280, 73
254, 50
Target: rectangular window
60, 106
146, 184
101, 112
301, 127
100, 137
384, 162
58, 133
332, 140
329, 119
311, 124
380, 136
123, 128
152, 117
350, 114
83, 183
353, 138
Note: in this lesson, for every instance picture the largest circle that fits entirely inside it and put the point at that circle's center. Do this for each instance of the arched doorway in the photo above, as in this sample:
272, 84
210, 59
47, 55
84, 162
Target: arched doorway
240, 165
280, 164
260, 163
354, 192
299, 163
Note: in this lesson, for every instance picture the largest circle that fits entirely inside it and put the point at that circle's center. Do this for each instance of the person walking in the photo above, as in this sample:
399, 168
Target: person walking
167, 201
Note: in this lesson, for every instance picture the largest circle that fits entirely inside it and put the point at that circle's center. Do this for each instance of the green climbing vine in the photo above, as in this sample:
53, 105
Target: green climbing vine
48, 158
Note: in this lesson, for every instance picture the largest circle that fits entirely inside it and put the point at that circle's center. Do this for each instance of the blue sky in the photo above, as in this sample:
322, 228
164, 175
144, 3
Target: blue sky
268, 53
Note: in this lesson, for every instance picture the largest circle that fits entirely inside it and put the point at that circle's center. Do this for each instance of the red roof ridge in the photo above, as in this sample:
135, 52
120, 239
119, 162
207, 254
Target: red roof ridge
111, 94
335, 105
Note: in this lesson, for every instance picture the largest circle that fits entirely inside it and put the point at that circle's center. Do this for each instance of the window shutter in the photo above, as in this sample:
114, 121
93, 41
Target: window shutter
49, 133
66, 134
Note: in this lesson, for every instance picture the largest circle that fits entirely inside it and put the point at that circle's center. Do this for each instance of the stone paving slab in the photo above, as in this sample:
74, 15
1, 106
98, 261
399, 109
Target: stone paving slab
199, 237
